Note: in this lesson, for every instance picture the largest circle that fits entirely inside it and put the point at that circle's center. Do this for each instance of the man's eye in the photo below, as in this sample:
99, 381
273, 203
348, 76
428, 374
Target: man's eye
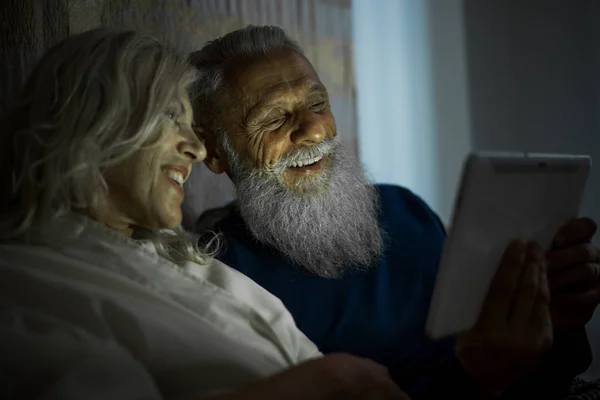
274, 124
318, 106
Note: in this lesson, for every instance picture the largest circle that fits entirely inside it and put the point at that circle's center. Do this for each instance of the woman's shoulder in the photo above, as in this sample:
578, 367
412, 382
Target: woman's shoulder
238, 285
265, 308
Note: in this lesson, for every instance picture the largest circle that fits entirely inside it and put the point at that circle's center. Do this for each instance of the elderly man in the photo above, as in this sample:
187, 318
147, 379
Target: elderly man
355, 263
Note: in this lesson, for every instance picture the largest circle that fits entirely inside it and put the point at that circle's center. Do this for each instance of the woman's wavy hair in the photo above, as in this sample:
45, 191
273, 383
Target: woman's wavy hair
92, 101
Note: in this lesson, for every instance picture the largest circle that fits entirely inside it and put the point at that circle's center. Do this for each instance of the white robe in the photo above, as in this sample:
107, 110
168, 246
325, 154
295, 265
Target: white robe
86, 313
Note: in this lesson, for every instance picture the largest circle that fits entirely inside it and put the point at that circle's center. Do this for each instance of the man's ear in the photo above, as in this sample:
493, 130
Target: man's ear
215, 160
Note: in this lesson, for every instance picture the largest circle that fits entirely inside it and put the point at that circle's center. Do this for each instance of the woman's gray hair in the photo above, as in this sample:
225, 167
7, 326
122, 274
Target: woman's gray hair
92, 101
227, 51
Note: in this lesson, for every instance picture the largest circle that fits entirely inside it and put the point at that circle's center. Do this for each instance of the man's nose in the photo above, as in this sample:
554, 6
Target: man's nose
309, 131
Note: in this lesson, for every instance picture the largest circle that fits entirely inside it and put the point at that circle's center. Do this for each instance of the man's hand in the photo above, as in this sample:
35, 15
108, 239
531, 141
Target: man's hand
514, 328
574, 275
333, 377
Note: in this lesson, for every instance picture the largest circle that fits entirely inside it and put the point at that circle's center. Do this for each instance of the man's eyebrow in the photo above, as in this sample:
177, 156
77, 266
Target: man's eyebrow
252, 112
256, 109
317, 89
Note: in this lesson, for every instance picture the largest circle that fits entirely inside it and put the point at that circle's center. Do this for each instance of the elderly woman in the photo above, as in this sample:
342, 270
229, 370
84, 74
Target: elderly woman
101, 295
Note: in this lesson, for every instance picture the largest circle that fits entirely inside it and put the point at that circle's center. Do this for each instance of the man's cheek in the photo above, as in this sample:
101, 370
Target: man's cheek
263, 151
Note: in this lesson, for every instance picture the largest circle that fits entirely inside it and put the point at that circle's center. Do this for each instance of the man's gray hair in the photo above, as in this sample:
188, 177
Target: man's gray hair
92, 101
219, 54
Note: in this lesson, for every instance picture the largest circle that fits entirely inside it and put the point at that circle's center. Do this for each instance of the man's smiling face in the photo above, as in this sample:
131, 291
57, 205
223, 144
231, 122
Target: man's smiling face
278, 119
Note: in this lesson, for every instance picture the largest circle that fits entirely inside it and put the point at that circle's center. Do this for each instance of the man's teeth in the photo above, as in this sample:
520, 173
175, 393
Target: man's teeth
176, 176
306, 162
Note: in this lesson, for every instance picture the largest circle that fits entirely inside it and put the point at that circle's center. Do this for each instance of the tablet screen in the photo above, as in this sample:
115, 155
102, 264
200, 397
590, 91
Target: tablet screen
500, 198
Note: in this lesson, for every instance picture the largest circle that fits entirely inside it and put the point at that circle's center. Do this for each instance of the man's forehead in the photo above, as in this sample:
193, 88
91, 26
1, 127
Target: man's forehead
276, 71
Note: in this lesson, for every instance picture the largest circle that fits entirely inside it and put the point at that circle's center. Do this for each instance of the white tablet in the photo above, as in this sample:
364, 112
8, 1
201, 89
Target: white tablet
502, 196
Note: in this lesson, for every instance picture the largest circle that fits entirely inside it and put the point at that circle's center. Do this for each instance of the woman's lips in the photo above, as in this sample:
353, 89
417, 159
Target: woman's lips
176, 185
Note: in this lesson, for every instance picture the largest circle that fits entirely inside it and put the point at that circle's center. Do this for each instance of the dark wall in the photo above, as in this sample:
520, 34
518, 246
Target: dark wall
534, 79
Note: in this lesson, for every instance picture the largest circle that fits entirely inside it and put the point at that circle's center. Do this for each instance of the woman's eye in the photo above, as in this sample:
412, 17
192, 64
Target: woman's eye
171, 114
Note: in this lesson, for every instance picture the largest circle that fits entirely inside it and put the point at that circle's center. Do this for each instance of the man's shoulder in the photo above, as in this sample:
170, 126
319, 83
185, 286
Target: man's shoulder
400, 196
400, 205
213, 217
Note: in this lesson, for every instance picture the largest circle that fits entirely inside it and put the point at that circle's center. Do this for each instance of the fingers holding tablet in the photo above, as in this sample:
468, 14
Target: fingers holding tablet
574, 275
514, 328
541, 316
530, 301
499, 300
574, 232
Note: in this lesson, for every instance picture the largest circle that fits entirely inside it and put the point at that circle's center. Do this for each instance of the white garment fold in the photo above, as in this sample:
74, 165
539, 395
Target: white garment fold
88, 313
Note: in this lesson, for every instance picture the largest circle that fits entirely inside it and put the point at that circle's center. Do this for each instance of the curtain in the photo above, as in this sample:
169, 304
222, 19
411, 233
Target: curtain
322, 27
411, 80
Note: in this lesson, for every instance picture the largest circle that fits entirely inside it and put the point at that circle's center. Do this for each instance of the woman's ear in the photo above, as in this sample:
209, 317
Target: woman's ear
215, 160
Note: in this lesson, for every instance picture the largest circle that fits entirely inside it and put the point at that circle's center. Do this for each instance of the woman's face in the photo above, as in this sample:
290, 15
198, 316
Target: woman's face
146, 190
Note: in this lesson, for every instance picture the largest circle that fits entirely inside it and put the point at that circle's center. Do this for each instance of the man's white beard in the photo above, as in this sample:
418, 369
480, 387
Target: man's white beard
327, 225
